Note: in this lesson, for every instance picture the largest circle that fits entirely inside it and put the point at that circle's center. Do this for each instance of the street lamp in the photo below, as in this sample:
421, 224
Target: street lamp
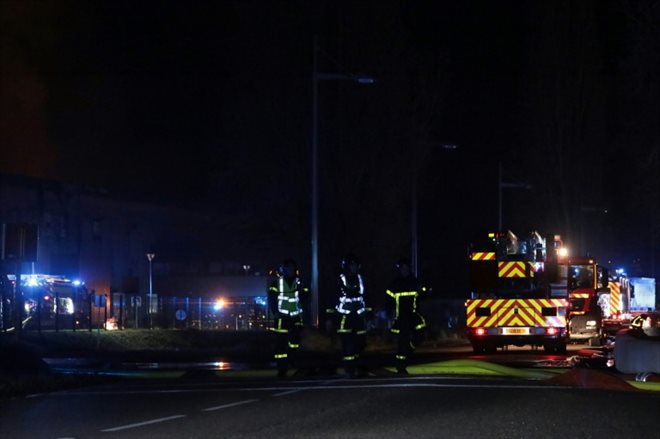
150, 257
316, 77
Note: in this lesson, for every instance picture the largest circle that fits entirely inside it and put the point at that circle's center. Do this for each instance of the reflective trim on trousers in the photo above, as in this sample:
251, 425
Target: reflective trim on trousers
280, 356
401, 357
346, 299
402, 293
289, 313
350, 358
294, 345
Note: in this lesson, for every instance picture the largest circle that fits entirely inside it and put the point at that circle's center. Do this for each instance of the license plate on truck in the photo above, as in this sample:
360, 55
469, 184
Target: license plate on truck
515, 331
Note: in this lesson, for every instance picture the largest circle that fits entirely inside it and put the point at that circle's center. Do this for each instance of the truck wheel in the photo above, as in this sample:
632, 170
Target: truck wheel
560, 347
491, 349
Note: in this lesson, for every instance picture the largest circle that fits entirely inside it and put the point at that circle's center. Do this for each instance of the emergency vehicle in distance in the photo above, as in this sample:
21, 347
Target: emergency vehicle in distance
602, 303
627, 298
518, 293
53, 301
587, 281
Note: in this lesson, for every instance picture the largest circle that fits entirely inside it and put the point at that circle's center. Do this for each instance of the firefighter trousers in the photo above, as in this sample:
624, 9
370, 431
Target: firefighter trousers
353, 335
407, 339
287, 341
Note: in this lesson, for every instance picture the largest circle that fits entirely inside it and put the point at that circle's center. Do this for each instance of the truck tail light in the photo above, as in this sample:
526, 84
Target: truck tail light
480, 331
551, 331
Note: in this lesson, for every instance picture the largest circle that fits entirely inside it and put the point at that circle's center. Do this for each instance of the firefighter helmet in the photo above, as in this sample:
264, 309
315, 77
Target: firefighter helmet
403, 262
288, 267
348, 260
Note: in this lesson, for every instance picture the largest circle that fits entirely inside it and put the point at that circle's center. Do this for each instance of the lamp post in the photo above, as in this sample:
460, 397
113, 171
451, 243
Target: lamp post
316, 77
503, 185
150, 257
414, 250
584, 210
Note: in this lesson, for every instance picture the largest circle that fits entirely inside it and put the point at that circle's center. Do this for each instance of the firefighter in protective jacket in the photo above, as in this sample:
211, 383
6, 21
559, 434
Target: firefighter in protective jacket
408, 323
286, 297
350, 312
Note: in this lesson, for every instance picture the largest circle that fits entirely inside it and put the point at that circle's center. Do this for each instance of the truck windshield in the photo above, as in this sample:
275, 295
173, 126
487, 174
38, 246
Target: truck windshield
581, 276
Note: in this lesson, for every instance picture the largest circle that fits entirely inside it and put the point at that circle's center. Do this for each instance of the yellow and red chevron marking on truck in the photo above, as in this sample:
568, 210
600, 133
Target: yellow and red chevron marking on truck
492, 313
579, 295
615, 297
482, 256
511, 269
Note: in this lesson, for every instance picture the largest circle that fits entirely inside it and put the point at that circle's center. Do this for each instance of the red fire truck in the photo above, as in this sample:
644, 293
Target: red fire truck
518, 296
587, 281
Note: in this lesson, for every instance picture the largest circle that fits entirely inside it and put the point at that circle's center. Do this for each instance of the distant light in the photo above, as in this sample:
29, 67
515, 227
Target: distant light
221, 365
76, 283
46, 298
563, 252
364, 80
219, 304
620, 271
32, 282
260, 301
551, 331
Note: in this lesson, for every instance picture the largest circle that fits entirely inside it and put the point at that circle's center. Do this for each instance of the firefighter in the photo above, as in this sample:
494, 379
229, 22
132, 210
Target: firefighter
637, 325
350, 312
286, 297
408, 323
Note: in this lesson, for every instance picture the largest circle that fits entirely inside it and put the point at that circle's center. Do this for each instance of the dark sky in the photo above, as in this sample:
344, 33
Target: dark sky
209, 103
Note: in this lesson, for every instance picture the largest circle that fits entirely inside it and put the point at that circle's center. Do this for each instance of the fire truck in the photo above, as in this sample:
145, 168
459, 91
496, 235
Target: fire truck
627, 297
517, 294
587, 285
53, 301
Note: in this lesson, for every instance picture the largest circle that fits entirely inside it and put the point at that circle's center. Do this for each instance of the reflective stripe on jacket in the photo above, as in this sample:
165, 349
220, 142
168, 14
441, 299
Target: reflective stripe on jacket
351, 299
288, 296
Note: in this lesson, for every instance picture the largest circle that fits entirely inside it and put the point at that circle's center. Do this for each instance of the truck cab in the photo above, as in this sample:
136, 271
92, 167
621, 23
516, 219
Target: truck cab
586, 280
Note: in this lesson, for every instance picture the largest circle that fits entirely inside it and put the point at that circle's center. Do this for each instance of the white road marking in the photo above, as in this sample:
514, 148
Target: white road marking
296, 390
233, 404
140, 424
406, 385
288, 392
367, 385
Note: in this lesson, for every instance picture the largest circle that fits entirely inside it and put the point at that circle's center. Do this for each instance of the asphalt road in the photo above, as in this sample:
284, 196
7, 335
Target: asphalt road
415, 406
208, 404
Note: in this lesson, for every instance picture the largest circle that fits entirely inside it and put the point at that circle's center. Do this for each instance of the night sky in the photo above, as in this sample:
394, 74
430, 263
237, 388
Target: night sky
208, 105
